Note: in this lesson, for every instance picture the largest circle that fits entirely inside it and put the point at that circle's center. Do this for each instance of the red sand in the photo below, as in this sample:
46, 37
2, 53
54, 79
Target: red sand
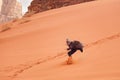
35, 48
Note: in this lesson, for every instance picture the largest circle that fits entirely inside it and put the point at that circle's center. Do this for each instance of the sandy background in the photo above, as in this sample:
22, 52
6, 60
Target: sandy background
35, 49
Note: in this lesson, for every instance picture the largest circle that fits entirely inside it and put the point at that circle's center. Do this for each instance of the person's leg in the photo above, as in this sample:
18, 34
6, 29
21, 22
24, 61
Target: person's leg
71, 52
69, 61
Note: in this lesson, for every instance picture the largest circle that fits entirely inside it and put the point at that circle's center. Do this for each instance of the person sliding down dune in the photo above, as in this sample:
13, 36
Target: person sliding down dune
73, 46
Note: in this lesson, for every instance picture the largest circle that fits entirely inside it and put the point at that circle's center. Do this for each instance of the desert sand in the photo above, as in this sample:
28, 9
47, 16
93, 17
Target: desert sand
35, 48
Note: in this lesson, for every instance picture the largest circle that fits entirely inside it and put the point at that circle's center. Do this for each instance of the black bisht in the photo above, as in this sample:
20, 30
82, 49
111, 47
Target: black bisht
75, 45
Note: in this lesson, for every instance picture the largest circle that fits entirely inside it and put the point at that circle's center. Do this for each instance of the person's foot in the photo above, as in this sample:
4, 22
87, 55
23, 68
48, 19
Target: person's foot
69, 61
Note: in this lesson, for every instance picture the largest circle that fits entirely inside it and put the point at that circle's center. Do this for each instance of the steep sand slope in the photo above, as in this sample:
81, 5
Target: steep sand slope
35, 49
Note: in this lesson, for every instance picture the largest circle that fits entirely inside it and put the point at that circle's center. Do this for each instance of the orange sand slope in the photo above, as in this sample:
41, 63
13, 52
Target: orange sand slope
35, 49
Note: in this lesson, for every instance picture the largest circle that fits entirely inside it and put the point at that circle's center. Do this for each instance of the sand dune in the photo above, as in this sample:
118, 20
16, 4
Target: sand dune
35, 49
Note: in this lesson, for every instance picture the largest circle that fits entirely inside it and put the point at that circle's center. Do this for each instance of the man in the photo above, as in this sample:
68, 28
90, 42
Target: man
73, 46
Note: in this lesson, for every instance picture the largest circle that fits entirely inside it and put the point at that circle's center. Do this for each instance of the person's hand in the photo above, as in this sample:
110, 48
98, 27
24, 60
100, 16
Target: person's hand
68, 48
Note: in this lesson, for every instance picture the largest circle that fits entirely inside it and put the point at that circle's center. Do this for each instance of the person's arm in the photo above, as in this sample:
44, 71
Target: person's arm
70, 46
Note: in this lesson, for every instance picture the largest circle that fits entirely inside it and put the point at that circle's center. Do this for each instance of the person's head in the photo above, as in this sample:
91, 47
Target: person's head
68, 41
